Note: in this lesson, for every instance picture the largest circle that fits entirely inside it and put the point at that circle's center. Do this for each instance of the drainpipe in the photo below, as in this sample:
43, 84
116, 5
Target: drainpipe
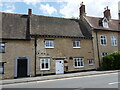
98, 49
35, 45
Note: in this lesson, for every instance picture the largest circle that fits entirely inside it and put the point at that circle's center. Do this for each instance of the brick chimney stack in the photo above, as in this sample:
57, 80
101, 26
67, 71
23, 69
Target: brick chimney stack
107, 13
29, 12
82, 9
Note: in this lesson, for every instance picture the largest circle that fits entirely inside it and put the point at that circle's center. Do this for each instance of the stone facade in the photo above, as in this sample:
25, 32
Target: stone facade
63, 49
99, 49
25, 43
13, 49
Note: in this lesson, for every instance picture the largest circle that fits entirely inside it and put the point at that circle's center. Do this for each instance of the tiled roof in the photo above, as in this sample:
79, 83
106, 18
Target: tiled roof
94, 23
42, 25
14, 26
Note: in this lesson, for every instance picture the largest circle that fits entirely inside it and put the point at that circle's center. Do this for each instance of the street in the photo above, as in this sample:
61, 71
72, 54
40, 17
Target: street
93, 81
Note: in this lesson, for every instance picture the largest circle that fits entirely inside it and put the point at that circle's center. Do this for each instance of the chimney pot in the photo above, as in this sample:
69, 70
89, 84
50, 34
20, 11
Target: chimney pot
107, 13
29, 12
82, 9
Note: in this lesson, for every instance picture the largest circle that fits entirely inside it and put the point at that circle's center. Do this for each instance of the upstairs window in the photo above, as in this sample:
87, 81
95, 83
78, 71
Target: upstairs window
2, 47
114, 40
103, 40
49, 43
1, 68
105, 23
76, 44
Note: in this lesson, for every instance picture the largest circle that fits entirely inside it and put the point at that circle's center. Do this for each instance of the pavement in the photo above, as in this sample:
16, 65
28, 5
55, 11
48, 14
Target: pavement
51, 77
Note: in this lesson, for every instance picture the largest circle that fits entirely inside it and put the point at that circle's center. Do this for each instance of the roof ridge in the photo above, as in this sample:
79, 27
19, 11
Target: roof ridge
101, 18
52, 17
12, 13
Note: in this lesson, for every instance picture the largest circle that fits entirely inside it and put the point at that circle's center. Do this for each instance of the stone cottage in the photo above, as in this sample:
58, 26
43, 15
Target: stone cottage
35, 45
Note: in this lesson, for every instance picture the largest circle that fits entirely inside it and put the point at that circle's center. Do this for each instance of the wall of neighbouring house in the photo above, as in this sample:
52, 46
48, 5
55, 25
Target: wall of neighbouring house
108, 48
63, 49
119, 41
13, 49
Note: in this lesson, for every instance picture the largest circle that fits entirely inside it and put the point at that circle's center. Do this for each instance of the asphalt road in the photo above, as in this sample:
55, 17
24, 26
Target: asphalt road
94, 81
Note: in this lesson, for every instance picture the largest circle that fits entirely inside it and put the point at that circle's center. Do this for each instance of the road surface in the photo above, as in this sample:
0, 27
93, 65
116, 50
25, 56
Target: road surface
93, 81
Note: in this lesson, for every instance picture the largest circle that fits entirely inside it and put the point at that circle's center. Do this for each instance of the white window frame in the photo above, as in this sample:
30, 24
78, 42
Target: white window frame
2, 47
79, 60
44, 60
105, 23
114, 41
104, 54
77, 44
50, 43
104, 38
90, 61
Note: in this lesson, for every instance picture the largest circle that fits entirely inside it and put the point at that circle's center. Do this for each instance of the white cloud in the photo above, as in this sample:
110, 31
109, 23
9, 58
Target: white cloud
93, 8
71, 9
48, 9
9, 7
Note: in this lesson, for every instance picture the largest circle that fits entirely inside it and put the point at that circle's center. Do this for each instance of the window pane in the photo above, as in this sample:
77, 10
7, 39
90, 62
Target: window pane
42, 65
42, 60
78, 44
75, 62
114, 40
2, 47
74, 45
49, 43
78, 63
90, 61
1, 70
46, 65
103, 40
81, 63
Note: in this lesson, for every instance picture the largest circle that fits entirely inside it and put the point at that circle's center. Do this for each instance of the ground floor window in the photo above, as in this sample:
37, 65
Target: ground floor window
2, 47
78, 62
90, 61
45, 64
104, 54
1, 68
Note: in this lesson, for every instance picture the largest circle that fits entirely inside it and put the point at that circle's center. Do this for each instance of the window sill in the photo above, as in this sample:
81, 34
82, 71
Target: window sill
49, 47
79, 67
114, 45
103, 45
91, 64
2, 52
76, 47
44, 69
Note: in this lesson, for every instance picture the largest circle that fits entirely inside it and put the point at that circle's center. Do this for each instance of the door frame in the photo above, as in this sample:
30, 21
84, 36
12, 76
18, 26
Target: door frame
63, 65
16, 66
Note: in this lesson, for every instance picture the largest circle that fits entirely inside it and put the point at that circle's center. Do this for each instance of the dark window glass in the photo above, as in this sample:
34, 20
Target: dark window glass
2, 47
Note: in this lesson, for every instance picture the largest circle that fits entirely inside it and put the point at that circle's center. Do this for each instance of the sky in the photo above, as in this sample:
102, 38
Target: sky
60, 8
